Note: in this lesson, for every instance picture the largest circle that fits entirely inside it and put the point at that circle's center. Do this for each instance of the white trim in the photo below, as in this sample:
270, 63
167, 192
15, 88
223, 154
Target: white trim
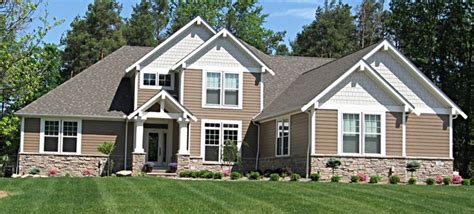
229, 69
157, 80
282, 119
222, 90
169, 141
362, 107
418, 73
312, 130
198, 20
181, 87
61, 135
135, 96
404, 134
226, 34
22, 134
451, 136
221, 136
262, 96
88, 117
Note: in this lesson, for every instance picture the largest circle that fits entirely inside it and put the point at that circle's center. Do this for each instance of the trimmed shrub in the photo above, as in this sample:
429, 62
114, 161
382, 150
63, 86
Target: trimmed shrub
447, 180
315, 176
412, 166
274, 177
295, 177
335, 179
355, 179
412, 181
430, 181
185, 174
235, 175
254, 175
439, 179
35, 171
333, 163
394, 179
205, 174
362, 177
195, 174
218, 175
466, 182
456, 179
374, 179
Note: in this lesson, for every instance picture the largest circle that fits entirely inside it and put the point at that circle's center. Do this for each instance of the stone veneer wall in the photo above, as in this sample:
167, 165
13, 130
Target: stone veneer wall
72, 164
138, 160
297, 164
382, 167
196, 163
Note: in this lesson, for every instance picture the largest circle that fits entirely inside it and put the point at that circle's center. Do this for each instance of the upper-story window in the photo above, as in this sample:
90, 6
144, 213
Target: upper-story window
222, 89
155, 80
362, 133
149, 79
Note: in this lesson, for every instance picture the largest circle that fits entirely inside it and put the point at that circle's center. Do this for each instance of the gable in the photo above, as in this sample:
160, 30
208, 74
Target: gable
406, 83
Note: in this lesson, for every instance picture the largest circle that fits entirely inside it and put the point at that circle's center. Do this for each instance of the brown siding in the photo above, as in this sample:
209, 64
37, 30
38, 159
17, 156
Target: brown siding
394, 133
144, 94
95, 133
192, 100
299, 134
326, 131
428, 135
31, 135
267, 139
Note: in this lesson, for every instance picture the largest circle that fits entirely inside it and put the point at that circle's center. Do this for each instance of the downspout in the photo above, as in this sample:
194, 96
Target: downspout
126, 143
309, 144
258, 144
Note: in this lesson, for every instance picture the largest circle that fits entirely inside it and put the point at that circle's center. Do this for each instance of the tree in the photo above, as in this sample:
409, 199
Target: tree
412, 166
107, 148
147, 23
331, 34
438, 37
370, 22
92, 37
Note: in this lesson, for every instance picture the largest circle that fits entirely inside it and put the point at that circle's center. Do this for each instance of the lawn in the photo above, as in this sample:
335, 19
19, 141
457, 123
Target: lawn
158, 195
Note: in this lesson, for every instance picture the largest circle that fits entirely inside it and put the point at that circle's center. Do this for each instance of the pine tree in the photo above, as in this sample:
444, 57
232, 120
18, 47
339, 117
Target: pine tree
147, 23
331, 34
370, 22
92, 37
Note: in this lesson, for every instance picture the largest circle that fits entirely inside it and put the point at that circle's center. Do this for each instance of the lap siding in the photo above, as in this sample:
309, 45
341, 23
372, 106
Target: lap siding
31, 135
326, 131
428, 135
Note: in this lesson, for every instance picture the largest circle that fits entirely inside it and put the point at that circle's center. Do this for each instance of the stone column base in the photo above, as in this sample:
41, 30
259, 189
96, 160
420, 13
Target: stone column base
183, 162
138, 160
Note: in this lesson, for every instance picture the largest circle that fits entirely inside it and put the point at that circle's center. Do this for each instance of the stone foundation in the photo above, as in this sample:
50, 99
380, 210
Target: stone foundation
383, 167
74, 165
183, 162
296, 164
138, 160
196, 163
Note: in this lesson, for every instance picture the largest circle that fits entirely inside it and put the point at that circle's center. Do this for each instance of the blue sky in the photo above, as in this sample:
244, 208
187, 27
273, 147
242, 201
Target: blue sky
289, 15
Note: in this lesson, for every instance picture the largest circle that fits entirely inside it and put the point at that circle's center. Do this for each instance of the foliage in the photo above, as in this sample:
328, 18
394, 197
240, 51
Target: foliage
362, 177
333, 163
374, 179
355, 179
35, 171
394, 179
430, 181
315, 176
107, 148
295, 177
335, 179
218, 175
447, 180
4, 161
412, 166
472, 181
254, 175
274, 177
456, 179
195, 174
185, 174
235, 175
439, 179
370, 22
412, 181
231, 153
466, 182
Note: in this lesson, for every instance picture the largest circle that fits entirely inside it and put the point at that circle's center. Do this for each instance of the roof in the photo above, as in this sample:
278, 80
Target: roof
311, 83
87, 94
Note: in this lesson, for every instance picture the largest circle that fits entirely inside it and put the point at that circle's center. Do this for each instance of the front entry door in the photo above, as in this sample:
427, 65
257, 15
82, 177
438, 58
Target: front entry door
157, 146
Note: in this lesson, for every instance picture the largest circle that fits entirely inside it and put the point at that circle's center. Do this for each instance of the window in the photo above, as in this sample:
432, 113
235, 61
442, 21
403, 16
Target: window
60, 136
283, 138
362, 133
165, 80
222, 89
149, 79
216, 134
156, 80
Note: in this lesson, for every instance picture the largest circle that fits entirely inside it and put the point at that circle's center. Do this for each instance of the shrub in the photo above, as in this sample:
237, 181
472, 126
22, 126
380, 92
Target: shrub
295, 177
412, 181
235, 175
205, 174
362, 177
447, 180
53, 173
355, 179
35, 171
286, 170
439, 179
185, 174
430, 181
456, 179
195, 174
466, 182
254, 175
472, 181
412, 166
67, 175
333, 163
148, 167
335, 179
107, 148
315, 176
218, 175
394, 179
374, 179
274, 177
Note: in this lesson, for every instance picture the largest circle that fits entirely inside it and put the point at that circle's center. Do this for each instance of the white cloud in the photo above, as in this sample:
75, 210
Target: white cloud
305, 13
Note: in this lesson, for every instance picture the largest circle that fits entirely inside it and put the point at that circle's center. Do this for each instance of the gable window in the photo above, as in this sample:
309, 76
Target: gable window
216, 134
149, 79
283, 138
165, 80
60, 136
156, 80
222, 89
362, 133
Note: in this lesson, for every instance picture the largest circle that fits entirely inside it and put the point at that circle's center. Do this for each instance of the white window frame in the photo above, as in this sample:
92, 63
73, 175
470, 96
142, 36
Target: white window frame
157, 81
222, 90
283, 119
60, 135
221, 137
361, 132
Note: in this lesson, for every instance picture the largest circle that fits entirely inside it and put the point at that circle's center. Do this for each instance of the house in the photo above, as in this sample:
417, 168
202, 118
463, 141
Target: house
180, 101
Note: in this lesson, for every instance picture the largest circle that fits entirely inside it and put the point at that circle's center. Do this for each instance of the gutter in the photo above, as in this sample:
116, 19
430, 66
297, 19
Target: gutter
258, 144
126, 143
309, 145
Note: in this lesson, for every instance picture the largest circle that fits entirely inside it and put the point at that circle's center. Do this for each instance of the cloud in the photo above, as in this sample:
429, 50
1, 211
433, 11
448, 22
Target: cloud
305, 13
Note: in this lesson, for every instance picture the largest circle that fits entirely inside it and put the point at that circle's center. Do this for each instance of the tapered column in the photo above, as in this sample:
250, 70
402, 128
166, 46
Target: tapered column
139, 136
183, 136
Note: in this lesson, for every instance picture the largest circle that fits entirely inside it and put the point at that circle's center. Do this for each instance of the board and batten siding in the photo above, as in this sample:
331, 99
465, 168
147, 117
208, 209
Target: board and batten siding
326, 131
192, 98
31, 135
428, 135
394, 133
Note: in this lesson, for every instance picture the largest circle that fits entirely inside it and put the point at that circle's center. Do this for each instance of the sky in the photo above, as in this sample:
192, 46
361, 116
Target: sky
284, 15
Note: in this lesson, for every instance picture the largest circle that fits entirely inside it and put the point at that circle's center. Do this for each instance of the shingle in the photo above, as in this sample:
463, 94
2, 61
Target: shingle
100, 90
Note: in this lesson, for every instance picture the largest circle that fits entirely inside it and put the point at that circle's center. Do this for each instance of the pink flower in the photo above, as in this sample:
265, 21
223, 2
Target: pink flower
227, 173
456, 179
362, 177
86, 173
53, 173
439, 179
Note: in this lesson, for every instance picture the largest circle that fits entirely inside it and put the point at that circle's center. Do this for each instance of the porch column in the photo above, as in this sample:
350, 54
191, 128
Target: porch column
139, 136
183, 136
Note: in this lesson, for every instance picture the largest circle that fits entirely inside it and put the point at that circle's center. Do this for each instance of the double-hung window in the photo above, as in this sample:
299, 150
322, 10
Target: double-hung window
283, 138
222, 89
362, 133
218, 135
60, 136
155, 80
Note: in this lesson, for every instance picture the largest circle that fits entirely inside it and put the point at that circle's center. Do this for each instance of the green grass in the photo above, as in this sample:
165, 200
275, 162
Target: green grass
156, 195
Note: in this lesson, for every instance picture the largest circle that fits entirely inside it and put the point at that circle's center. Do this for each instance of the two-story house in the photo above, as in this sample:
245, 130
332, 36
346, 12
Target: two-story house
181, 101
